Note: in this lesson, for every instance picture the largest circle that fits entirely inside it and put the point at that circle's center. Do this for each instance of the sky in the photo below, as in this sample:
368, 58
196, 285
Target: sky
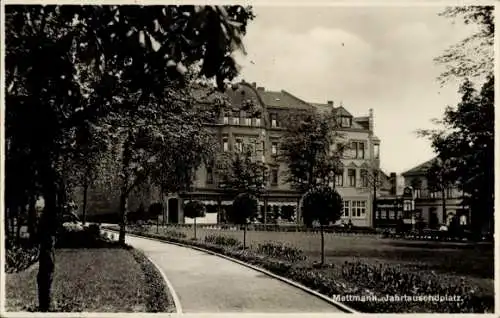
362, 57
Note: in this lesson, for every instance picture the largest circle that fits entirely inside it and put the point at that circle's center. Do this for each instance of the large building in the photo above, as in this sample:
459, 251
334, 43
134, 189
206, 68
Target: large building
236, 130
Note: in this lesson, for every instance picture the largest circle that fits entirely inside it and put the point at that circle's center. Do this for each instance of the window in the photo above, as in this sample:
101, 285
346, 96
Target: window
449, 193
361, 150
359, 208
364, 178
257, 122
392, 215
247, 121
358, 149
345, 121
274, 121
346, 208
339, 180
239, 145
210, 176
274, 148
274, 177
376, 150
351, 177
418, 192
236, 118
407, 206
225, 144
263, 148
226, 120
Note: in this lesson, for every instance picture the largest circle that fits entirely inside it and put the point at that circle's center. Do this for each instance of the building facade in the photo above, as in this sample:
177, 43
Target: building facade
430, 207
261, 132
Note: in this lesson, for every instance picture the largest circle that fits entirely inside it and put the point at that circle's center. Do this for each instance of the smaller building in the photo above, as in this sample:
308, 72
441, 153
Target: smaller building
433, 207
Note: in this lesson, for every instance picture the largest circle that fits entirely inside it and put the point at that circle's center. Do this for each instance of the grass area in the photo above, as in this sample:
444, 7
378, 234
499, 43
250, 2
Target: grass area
447, 261
94, 280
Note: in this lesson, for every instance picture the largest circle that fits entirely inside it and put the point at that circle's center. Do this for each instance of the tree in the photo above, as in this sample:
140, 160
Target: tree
324, 205
439, 178
240, 173
473, 56
245, 207
142, 48
307, 147
194, 209
466, 145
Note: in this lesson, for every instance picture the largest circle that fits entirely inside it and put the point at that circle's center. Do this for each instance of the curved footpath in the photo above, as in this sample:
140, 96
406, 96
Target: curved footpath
205, 283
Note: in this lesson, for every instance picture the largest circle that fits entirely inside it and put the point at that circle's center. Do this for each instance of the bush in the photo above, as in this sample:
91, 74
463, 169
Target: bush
77, 236
222, 240
175, 234
281, 250
18, 258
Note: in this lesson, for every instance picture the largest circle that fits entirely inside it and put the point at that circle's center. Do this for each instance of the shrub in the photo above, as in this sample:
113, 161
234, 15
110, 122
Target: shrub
222, 240
281, 250
175, 234
19, 258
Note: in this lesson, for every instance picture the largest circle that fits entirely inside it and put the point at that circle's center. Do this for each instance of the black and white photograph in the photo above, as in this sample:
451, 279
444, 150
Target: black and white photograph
247, 158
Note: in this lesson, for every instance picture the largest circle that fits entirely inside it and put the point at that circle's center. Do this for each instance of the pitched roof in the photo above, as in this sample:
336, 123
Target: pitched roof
420, 169
242, 92
282, 99
341, 111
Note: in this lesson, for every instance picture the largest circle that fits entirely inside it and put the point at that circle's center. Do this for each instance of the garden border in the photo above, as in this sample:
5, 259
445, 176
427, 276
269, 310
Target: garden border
177, 303
340, 306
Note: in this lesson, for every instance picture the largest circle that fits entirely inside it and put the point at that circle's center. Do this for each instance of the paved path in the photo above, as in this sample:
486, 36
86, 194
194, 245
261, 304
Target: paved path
207, 283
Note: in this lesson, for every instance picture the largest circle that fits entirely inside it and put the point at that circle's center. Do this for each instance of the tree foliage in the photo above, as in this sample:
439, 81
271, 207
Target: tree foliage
474, 55
194, 209
245, 207
308, 148
322, 204
69, 68
466, 145
241, 173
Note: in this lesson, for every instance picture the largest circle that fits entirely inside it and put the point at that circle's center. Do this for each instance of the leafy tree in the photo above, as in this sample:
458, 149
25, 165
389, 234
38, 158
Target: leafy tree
439, 178
473, 56
324, 205
240, 173
466, 145
307, 147
194, 209
245, 207
140, 48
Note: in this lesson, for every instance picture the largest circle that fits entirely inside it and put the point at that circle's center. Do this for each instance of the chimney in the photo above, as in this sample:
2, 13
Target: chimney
261, 89
371, 122
254, 84
330, 103
394, 184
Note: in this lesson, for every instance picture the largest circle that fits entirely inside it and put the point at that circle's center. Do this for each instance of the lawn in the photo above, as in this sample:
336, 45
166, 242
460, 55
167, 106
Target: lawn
450, 262
94, 280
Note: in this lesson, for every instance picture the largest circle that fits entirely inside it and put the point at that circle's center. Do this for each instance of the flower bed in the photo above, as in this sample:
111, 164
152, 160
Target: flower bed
351, 278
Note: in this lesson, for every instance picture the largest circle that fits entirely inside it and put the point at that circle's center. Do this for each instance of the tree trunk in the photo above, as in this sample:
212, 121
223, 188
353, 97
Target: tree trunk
84, 204
245, 236
123, 216
443, 193
47, 234
158, 223
195, 228
19, 222
322, 244
32, 218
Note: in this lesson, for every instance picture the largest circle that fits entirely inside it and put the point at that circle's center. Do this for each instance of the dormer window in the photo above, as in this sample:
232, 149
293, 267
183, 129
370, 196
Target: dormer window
345, 121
